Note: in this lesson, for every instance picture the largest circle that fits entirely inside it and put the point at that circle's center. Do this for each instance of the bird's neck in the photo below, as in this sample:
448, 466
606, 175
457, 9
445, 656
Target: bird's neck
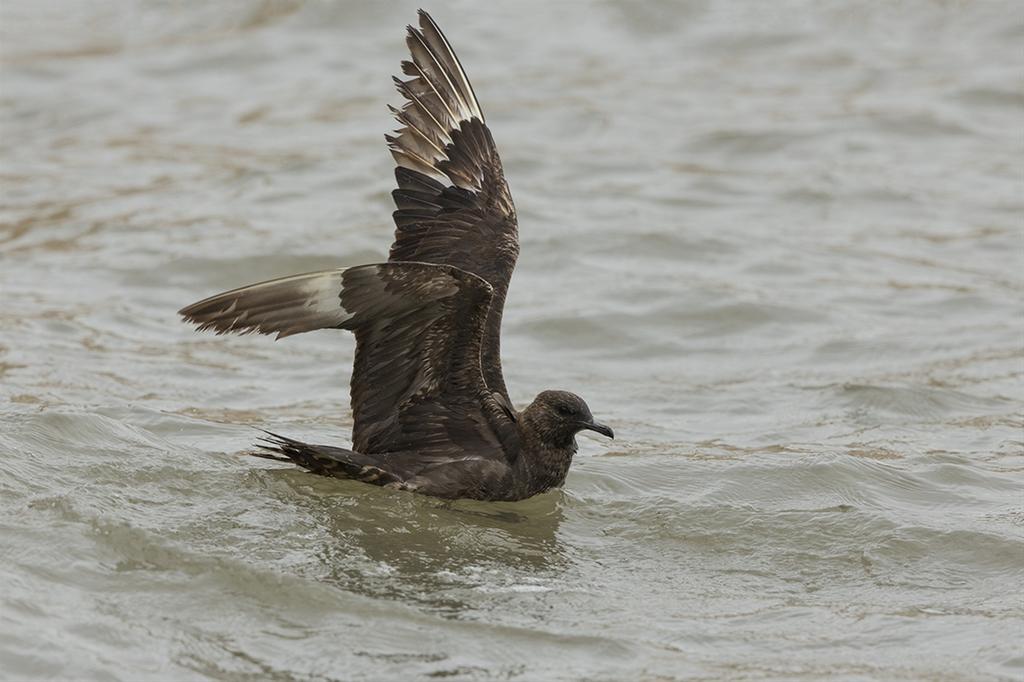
544, 460
549, 466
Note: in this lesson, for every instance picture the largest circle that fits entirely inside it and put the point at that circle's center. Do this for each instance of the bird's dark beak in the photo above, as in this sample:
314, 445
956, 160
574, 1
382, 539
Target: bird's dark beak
600, 428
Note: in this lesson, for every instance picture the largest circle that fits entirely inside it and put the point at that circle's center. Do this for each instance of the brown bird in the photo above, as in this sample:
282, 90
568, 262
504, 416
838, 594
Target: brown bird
431, 411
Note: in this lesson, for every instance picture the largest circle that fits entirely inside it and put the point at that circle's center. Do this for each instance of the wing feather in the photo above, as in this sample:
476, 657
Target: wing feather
417, 383
285, 306
454, 205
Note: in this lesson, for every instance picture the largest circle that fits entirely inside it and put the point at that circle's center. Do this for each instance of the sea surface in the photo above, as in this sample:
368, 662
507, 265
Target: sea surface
778, 247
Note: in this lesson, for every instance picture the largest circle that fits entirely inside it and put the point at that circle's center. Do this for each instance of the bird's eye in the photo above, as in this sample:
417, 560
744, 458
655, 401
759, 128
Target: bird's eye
565, 410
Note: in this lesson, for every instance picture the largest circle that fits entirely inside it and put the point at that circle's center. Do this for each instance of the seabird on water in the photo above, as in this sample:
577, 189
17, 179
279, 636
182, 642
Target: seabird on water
431, 411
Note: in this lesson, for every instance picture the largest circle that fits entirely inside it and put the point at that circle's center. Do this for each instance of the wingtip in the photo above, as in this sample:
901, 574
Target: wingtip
187, 316
186, 311
425, 18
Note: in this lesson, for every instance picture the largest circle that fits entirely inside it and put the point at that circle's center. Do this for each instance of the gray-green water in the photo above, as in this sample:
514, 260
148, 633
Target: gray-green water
776, 246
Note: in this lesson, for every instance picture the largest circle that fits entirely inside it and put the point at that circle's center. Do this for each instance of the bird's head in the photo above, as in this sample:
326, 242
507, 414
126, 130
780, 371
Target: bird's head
557, 416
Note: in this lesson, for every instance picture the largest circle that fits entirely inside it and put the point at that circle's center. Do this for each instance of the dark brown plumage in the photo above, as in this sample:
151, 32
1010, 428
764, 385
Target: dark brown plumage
431, 411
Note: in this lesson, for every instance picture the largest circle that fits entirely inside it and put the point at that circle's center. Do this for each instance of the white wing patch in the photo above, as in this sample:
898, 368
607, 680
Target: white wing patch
324, 291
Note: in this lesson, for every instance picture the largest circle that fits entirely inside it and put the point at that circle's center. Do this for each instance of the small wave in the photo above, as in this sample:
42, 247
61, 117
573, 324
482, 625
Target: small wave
915, 401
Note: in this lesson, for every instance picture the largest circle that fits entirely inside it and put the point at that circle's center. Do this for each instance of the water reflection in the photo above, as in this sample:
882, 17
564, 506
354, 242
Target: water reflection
386, 544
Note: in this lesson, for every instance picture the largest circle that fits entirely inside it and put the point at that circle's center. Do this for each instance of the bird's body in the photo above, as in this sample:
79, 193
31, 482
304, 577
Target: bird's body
533, 464
431, 411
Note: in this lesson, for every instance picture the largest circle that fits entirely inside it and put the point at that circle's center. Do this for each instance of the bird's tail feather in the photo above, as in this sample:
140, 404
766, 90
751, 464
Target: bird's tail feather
324, 460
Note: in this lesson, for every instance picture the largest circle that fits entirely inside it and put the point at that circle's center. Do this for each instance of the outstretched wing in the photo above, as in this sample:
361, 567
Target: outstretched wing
417, 382
454, 206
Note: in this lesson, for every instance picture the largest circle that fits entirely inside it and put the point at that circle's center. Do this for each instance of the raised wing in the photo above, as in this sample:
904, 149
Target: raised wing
454, 206
417, 382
